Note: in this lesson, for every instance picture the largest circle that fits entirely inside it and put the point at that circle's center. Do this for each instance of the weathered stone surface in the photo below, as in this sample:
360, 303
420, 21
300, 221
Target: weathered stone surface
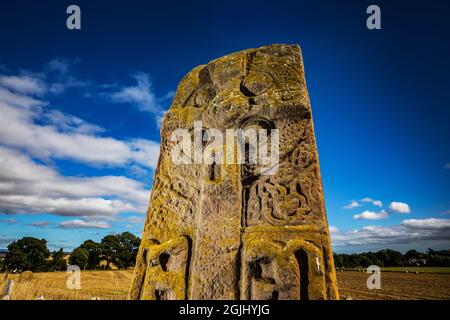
7, 290
227, 231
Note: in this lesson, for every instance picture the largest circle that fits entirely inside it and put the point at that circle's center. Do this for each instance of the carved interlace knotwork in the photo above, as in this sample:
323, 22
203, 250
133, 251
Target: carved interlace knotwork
278, 204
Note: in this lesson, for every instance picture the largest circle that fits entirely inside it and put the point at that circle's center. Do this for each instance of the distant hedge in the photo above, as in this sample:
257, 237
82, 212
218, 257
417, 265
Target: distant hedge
391, 258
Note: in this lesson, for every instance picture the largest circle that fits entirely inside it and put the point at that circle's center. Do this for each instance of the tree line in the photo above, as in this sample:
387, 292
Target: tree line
392, 258
120, 250
32, 254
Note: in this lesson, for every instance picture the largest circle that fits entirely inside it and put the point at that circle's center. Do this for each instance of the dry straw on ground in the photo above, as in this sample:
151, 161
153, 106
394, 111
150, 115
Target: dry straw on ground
105, 285
114, 285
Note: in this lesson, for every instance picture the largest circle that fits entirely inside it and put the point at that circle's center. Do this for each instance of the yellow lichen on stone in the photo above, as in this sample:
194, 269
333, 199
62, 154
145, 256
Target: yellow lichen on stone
229, 230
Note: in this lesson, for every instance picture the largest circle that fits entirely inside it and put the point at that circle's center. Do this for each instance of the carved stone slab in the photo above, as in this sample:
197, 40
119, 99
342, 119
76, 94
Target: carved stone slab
230, 230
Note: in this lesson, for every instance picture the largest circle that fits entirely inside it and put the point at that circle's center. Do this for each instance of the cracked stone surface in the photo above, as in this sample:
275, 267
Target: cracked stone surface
226, 231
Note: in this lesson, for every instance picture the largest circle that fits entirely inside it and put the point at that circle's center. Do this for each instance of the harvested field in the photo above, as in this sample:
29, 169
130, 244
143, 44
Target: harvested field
106, 285
395, 286
114, 285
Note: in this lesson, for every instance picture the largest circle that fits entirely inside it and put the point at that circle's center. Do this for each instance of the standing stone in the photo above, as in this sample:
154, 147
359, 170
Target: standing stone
8, 290
228, 231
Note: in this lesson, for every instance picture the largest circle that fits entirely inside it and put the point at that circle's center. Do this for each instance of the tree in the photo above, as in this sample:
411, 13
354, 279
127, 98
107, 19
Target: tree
79, 257
412, 254
110, 246
57, 263
390, 258
120, 249
338, 260
129, 246
27, 254
365, 261
94, 250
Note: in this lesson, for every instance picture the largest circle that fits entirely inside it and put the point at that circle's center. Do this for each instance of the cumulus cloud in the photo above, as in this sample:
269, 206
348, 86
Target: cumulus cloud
69, 123
29, 187
55, 78
23, 84
426, 231
429, 224
79, 224
399, 207
371, 215
33, 132
352, 204
376, 203
15, 100
355, 204
28, 122
142, 96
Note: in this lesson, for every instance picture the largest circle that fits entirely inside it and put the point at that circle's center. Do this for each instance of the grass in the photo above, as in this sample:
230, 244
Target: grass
436, 270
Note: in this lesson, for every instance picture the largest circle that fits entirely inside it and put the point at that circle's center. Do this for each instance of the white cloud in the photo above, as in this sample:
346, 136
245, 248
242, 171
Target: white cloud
29, 123
63, 206
370, 215
69, 123
333, 230
59, 71
377, 203
59, 65
55, 78
140, 95
31, 129
399, 207
15, 100
77, 223
352, 204
143, 97
430, 223
28, 187
424, 231
23, 84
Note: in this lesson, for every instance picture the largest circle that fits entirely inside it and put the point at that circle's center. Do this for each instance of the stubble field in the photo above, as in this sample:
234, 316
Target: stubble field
395, 286
114, 285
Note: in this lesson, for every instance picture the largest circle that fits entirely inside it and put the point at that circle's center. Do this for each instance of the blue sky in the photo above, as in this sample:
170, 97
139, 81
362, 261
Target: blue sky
80, 110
